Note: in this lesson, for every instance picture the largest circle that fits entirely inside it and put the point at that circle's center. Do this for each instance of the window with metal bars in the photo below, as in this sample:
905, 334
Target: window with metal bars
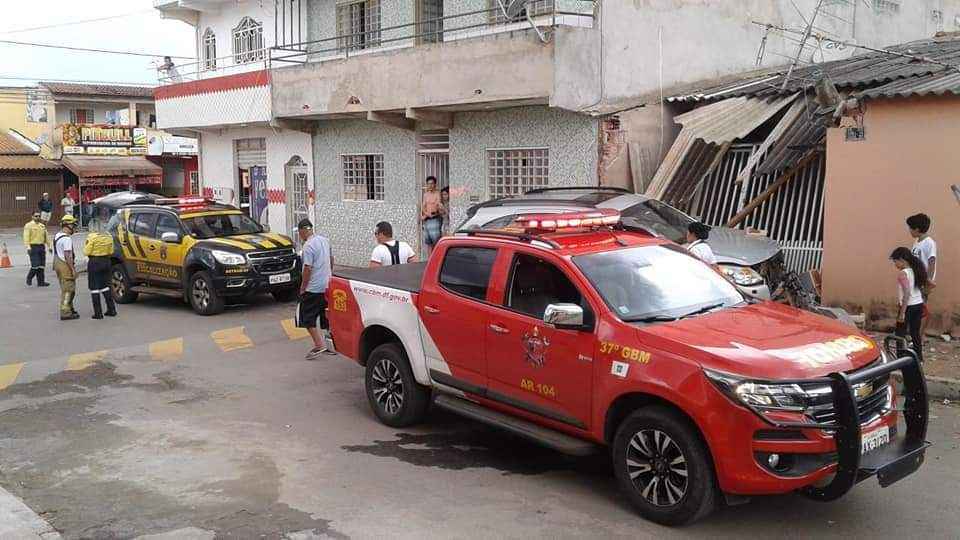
363, 177
248, 42
534, 8
81, 116
194, 183
209, 49
430, 19
513, 172
358, 25
890, 7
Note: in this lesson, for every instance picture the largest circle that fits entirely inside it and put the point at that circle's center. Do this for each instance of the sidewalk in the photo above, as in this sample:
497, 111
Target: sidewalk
18, 253
19, 522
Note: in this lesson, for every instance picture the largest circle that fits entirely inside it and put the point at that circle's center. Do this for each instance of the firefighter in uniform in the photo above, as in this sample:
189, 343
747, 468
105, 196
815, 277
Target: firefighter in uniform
63, 264
98, 248
37, 240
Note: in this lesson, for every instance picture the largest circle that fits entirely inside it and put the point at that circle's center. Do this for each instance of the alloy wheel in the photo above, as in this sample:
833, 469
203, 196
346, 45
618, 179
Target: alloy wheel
117, 283
387, 386
657, 467
201, 294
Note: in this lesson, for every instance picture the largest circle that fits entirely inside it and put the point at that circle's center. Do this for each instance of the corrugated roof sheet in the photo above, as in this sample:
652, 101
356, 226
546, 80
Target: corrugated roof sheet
26, 163
731, 119
103, 90
937, 84
10, 146
857, 72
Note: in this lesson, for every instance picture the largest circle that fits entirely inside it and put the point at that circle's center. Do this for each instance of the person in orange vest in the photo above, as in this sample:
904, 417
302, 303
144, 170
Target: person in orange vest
37, 242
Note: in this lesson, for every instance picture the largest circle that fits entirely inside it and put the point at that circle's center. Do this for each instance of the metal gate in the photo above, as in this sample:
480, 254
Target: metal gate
298, 194
433, 159
793, 216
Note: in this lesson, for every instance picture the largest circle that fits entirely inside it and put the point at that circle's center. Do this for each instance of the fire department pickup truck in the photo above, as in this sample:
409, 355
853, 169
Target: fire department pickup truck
577, 333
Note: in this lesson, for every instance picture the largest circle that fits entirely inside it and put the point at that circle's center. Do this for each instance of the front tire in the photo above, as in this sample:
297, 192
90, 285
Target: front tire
121, 286
284, 295
394, 394
203, 297
664, 467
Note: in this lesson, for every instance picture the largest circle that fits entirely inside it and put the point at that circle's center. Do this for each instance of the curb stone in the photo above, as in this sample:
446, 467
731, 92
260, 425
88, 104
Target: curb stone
940, 387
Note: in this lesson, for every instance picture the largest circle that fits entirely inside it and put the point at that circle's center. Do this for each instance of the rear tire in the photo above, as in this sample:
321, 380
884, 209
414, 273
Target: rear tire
121, 286
394, 394
284, 295
203, 297
664, 467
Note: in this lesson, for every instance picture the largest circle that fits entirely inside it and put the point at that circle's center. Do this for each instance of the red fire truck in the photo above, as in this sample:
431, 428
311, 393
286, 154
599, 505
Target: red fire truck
578, 333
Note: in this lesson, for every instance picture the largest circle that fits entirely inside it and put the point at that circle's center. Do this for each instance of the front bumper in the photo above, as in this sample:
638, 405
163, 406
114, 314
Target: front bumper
760, 291
822, 459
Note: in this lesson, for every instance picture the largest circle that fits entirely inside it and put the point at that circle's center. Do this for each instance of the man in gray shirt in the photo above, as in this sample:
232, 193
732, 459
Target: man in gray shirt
317, 269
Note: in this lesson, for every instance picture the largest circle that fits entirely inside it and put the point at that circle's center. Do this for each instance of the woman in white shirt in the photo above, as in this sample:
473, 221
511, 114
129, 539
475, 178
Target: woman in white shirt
911, 279
697, 234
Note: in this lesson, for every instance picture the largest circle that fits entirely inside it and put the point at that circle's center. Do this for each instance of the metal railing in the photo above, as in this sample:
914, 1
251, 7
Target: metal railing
433, 31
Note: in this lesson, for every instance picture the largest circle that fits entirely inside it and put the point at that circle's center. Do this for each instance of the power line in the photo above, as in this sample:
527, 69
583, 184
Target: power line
83, 49
73, 23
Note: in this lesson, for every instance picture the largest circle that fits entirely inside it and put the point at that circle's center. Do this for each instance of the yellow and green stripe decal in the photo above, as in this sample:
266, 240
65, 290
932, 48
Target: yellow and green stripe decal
259, 241
278, 238
235, 243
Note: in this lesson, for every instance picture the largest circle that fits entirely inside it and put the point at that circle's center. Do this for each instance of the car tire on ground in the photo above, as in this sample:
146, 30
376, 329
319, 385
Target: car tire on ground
664, 467
285, 295
203, 297
121, 286
394, 394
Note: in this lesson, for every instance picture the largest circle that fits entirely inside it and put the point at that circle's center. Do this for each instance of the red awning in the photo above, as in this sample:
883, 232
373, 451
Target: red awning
100, 166
104, 181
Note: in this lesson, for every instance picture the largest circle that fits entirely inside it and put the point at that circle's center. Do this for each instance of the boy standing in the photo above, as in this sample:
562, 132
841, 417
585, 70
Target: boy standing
389, 251
317, 270
925, 249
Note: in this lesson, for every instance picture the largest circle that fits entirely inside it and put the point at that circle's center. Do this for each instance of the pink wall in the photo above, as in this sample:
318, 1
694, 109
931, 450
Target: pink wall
906, 165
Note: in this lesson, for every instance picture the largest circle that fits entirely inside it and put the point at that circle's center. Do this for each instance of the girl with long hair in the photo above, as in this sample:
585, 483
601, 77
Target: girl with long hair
911, 280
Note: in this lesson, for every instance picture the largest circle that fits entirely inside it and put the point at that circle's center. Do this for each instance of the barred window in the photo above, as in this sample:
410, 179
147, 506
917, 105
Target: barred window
534, 8
209, 49
248, 42
513, 172
81, 116
886, 6
358, 25
363, 177
430, 17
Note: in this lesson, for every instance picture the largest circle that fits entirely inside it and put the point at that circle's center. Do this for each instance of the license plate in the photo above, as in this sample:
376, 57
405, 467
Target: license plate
279, 278
875, 439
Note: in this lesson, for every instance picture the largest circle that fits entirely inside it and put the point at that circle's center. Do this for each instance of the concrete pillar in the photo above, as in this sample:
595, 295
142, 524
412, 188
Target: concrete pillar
132, 107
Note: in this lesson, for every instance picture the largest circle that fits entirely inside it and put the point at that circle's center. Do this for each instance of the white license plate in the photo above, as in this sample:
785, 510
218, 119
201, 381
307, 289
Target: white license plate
875, 439
279, 278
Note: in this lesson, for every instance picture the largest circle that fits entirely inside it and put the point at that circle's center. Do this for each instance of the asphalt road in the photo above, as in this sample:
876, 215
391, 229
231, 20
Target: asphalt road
221, 429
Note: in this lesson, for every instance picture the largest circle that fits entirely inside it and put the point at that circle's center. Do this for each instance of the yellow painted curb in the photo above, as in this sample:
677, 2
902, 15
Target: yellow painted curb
231, 339
76, 362
9, 374
169, 350
293, 332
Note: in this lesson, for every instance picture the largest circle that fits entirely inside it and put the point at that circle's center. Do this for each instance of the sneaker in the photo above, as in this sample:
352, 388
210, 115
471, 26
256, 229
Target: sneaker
44, 284
316, 353
69, 317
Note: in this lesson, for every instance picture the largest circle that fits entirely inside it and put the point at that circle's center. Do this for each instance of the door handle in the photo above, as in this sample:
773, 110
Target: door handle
499, 329
431, 310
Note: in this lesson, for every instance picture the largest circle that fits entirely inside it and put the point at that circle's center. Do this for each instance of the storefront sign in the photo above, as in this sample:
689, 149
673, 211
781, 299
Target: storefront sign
99, 140
222, 194
171, 145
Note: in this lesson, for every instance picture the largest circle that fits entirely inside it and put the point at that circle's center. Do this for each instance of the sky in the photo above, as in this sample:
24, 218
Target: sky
140, 29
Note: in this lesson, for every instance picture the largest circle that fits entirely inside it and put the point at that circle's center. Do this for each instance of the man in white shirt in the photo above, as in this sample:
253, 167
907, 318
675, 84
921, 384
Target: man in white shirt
389, 251
67, 203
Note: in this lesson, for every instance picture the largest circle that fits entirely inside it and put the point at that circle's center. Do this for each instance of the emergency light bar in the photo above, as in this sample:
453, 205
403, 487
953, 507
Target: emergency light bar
184, 201
603, 217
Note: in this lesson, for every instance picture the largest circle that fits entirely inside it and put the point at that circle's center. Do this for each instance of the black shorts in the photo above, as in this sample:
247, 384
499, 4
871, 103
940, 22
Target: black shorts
312, 308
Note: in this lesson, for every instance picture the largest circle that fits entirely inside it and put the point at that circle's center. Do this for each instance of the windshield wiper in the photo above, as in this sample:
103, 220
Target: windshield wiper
650, 319
702, 310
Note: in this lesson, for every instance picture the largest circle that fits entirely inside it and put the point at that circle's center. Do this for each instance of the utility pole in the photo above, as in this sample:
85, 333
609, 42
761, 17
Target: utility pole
803, 43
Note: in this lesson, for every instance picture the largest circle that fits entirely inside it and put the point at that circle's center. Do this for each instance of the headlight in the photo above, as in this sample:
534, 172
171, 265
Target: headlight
228, 259
760, 395
742, 275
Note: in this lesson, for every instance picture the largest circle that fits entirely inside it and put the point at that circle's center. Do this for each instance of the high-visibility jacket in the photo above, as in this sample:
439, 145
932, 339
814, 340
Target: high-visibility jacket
98, 245
35, 233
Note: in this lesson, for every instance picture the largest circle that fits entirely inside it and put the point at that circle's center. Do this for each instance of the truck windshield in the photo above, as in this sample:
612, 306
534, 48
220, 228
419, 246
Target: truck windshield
656, 283
217, 225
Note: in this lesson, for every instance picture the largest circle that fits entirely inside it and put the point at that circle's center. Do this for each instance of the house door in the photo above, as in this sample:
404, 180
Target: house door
298, 194
433, 159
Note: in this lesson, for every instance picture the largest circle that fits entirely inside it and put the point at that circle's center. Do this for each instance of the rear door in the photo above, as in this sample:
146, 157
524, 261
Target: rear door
455, 309
533, 366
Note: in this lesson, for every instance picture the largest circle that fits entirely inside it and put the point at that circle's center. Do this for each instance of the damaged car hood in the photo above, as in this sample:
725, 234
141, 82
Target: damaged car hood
733, 246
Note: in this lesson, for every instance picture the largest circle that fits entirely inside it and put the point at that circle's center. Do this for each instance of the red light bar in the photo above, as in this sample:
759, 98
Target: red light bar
602, 217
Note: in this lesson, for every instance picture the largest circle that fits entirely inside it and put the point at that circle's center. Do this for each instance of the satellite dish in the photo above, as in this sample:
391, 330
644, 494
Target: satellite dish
513, 8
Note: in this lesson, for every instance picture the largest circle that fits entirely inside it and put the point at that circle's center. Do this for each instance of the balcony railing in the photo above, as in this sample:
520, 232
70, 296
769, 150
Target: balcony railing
450, 28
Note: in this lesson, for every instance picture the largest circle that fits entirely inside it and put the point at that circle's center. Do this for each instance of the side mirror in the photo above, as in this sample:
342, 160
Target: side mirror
170, 237
564, 316
265, 227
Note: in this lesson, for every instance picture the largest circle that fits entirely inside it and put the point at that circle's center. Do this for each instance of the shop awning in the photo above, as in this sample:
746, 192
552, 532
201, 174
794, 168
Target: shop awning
104, 166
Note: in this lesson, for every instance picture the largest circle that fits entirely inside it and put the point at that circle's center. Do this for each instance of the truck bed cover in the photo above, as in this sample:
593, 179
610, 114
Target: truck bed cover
404, 277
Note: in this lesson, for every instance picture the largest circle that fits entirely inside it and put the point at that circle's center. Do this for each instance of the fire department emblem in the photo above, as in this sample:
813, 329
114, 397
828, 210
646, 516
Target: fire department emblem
163, 251
339, 300
535, 346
